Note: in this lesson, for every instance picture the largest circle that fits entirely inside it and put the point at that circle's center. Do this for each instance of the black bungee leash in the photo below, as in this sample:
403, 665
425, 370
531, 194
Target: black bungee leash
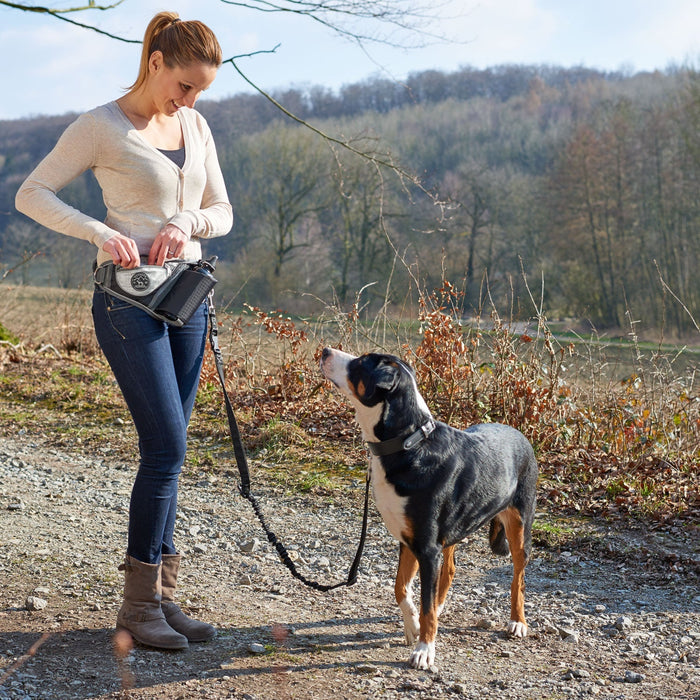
244, 472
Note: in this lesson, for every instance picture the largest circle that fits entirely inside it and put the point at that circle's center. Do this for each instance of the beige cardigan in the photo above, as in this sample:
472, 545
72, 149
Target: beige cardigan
142, 189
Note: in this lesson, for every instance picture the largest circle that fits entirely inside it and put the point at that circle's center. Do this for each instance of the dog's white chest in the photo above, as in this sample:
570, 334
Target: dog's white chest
390, 505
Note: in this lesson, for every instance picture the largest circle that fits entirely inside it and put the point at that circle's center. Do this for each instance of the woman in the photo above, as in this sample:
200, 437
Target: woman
154, 158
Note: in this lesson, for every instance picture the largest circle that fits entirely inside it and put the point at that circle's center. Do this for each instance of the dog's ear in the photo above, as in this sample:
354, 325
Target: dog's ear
387, 375
382, 377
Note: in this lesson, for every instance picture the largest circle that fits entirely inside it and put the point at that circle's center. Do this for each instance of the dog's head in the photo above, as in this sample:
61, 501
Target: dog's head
367, 379
378, 381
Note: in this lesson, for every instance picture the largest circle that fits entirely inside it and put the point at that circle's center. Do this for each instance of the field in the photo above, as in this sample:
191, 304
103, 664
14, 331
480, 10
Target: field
615, 422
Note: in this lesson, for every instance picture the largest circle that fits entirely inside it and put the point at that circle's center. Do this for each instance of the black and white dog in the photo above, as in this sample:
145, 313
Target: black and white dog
434, 485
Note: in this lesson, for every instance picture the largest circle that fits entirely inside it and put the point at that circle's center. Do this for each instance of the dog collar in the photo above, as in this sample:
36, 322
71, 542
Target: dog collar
388, 447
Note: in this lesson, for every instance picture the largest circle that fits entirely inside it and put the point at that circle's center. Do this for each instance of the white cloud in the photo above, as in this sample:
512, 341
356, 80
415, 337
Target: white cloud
672, 31
500, 31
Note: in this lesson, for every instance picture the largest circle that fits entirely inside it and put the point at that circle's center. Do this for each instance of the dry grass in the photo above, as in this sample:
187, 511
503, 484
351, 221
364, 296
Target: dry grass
608, 446
39, 316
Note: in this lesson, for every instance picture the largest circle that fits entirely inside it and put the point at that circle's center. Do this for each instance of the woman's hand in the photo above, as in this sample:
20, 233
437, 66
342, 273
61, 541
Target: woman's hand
123, 251
169, 243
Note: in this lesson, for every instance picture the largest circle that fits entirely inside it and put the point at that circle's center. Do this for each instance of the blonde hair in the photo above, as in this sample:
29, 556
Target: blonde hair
181, 43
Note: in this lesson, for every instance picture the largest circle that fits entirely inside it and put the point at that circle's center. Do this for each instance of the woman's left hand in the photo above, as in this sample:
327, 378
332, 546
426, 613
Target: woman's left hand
169, 243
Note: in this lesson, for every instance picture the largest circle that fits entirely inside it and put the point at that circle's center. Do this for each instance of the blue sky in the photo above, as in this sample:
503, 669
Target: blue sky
53, 68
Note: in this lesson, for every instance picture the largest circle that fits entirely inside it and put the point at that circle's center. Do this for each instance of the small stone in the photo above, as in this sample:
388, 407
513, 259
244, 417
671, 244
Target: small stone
256, 648
366, 669
633, 677
35, 603
568, 634
549, 628
485, 624
576, 673
250, 546
623, 623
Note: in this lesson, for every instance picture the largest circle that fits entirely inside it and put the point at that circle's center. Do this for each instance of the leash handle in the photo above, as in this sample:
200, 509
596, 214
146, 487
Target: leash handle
244, 472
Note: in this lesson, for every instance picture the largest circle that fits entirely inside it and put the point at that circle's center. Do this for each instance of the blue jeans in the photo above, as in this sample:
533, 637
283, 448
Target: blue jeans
157, 368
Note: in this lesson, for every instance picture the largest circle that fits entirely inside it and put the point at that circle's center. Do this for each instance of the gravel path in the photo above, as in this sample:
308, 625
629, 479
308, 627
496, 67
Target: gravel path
618, 620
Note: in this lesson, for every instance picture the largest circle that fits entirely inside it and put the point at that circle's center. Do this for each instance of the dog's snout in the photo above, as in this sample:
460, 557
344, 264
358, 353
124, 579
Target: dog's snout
326, 353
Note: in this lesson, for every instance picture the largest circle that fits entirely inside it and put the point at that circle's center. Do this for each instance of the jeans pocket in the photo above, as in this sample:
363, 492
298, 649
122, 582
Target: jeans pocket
114, 304
117, 320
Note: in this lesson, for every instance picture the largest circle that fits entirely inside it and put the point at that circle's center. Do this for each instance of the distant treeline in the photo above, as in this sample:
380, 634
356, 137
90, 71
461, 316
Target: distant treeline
577, 187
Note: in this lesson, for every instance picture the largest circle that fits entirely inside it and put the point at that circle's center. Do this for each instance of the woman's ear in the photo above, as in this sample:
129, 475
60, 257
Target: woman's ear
155, 62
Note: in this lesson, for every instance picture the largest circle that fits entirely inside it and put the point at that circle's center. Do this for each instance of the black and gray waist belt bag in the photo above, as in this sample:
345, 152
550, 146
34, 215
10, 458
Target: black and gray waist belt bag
171, 293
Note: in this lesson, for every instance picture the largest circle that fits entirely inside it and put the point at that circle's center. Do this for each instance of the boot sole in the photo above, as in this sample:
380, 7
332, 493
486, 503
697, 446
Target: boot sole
176, 646
200, 639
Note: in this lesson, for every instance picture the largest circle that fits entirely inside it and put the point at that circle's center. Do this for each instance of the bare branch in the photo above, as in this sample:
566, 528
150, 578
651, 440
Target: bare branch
26, 258
378, 160
59, 14
664, 284
49, 11
399, 15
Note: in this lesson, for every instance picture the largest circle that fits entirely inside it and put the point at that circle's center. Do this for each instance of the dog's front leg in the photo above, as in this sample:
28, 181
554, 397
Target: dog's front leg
403, 590
423, 655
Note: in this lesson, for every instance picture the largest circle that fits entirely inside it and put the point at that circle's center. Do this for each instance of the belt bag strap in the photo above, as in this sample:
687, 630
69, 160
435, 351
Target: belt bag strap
171, 293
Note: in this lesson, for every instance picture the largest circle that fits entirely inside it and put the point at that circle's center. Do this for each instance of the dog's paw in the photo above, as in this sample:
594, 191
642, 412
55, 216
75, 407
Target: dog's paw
517, 629
423, 656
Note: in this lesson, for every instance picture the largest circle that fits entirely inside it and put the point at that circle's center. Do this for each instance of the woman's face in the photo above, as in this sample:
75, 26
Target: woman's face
180, 86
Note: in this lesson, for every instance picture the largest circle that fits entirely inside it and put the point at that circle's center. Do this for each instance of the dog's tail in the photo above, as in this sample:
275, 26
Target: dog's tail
497, 538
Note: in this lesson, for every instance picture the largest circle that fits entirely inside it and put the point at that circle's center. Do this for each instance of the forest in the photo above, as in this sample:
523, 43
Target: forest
559, 191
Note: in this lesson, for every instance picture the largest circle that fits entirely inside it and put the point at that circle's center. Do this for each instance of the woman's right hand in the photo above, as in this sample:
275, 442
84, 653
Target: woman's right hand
123, 251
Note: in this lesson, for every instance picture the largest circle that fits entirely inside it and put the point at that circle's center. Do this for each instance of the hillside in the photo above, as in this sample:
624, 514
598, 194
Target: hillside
494, 180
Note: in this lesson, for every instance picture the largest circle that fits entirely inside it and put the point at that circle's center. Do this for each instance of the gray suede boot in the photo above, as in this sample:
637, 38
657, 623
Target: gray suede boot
141, 614
194, 630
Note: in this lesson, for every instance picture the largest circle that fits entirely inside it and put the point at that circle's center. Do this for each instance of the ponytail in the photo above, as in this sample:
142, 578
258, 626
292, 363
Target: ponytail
180, 42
